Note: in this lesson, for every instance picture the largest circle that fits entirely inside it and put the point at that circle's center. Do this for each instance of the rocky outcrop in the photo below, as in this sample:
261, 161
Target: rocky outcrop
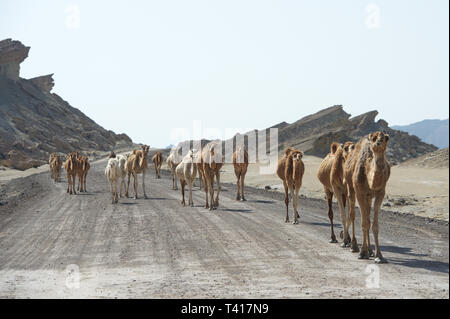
437, 159
12, 53
35, 122
44, 82
314, 133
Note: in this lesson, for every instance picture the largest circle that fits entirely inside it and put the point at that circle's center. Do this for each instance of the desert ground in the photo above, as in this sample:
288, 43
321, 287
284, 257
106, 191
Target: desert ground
155, 248
421, 191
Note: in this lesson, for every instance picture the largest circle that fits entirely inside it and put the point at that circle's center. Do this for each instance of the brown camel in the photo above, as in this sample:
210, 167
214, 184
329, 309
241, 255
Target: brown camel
330, 174
290, 169
72, 166
157, 161
366, 172
240, 163
137, 164
212, 162
82, 173
55, 164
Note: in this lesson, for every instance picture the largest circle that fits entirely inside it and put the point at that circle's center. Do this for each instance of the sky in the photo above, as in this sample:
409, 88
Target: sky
153, 69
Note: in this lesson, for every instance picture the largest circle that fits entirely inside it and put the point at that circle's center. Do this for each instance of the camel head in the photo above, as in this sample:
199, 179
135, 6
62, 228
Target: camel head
296, 155
112, 154
334, 147
145, 149
378, 141
348, 147
192, 153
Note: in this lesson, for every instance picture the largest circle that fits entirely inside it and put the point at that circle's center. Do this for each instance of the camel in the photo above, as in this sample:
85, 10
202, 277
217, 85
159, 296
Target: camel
122, 169
186, 171
330, 174
55, 164
72, 166
172, 161
137, 164
82, 173
290, 169
112, 173
212, 162
366, 172
240, 163
157, 161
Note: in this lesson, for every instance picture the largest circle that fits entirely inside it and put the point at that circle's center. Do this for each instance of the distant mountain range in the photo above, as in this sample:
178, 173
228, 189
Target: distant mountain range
430, 131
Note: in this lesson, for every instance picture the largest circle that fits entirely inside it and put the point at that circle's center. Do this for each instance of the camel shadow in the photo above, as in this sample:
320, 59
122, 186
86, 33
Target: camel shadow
260, 201
401, 250
127, 204
237, 210
160, 198
432, 265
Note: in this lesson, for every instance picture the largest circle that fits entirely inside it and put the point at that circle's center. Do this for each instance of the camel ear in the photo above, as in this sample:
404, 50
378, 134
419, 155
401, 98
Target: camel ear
386, 136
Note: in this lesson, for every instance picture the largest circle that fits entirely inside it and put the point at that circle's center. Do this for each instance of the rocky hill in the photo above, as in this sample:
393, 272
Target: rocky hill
314, 133
437, 159
35, 122
430, 131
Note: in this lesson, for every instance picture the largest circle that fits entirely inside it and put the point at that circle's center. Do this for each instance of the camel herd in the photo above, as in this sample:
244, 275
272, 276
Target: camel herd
350, 172
75, 166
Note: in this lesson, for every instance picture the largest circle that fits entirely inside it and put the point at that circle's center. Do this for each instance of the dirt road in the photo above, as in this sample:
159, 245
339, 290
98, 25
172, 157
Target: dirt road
56, 245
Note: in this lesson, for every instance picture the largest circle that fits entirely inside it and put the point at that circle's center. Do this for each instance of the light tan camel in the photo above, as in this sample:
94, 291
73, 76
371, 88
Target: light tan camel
137, 164
72, 166
366, 172
240, 163
212, 162
330, 174
172, 161
157, 161
290, 169
186, 171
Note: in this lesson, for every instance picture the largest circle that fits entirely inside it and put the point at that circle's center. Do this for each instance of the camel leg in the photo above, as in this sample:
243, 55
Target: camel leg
68, 183
341, 202
191, 201
84, 182
135, 182
291, 192
238, 177
206, 190
143, 184
242, 187
379, 259
351, 212
329, 196
73, 184
211, 192
286, 200
182, 182
295, 202
128, 185
216, 202
111, 189
364, 207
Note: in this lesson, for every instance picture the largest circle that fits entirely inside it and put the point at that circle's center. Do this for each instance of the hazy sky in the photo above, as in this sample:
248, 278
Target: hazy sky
152, 66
